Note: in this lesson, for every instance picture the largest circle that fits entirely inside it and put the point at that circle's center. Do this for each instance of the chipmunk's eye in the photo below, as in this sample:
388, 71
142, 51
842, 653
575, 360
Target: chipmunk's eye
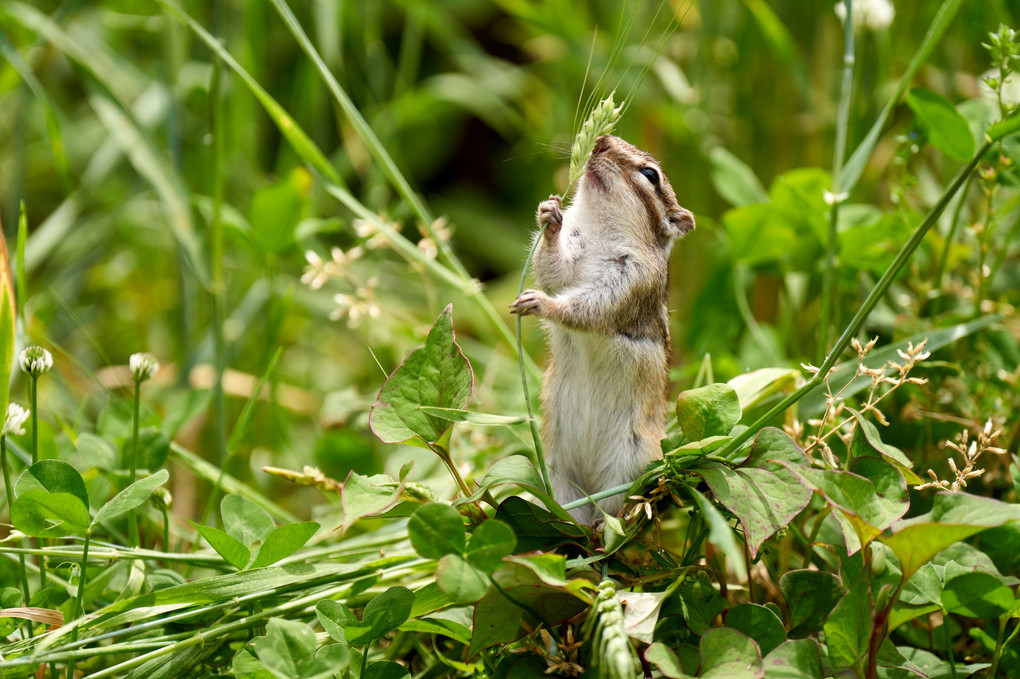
651, 174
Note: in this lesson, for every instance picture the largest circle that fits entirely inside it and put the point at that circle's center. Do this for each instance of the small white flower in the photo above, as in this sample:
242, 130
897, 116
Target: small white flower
15, 422
36, 360
143, 366
875, 15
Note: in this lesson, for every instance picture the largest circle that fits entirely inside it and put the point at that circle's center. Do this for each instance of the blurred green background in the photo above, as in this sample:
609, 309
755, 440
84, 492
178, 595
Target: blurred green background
107, 128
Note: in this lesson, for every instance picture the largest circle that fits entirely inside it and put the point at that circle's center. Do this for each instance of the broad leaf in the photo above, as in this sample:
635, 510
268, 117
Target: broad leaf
133, 496
153, 449
861, 511
362, 496
460, 581
762, 493
334, 618
810, 596
283, 542
538, 529
437, 530
848, 627
276, 210
385, 669
759, 623
711, 410
435, 374
383, 614
945, 128
953, 517
734, 180
728, 654
289, 650
517, 470
488, 544
496, 620
977, 595
97, 452
231, 549
794, 660
868, 441
55, 476
244, 520
42, 514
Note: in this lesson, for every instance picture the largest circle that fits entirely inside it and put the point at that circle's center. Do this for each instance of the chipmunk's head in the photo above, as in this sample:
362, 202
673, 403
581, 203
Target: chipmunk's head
628, 186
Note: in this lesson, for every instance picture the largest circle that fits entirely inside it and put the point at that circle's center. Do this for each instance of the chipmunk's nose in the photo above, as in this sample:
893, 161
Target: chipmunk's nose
601, 145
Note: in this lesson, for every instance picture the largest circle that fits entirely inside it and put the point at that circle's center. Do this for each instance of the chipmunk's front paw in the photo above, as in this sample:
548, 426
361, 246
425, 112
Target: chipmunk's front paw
550, 215
531, 303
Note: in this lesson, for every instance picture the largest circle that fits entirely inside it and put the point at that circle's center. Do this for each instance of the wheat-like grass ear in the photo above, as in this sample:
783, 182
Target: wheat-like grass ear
601, 120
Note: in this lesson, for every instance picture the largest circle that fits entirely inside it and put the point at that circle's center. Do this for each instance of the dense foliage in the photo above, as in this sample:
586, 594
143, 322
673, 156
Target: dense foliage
269, 416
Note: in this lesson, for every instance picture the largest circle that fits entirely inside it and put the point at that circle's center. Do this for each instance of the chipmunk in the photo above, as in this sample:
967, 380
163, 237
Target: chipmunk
602, 267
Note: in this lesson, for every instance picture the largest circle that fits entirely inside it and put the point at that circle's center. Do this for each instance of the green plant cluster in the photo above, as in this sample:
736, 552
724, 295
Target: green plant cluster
314, 215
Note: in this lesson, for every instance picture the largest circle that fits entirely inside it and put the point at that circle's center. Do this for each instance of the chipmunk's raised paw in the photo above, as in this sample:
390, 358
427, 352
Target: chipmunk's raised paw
531, 302
550, 215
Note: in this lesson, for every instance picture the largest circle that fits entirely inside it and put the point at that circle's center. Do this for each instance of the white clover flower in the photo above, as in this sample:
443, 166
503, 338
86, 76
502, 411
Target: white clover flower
875, 15
143, 366
15, 422
36, 360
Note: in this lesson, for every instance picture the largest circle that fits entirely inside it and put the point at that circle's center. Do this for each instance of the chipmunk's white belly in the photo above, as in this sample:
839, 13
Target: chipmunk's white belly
598, 430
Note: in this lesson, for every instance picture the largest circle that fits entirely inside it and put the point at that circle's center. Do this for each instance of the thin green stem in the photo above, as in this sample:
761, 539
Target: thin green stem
951, 236
166, 529
1003, 621
539, 450
10, 503
218, 286
740, 295
133, 474
830, 280
34, 405
79, 608
1003, 250
949, 644
33, 391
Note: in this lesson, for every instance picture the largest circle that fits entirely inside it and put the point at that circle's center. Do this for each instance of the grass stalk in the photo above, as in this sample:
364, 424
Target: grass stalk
830, 279
10, 503
950, 237
949, 644
79, 607
33, 390
133, 474
218, 286
535, 436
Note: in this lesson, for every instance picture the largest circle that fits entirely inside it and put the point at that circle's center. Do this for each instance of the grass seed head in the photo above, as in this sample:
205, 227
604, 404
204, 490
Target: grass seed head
602, 120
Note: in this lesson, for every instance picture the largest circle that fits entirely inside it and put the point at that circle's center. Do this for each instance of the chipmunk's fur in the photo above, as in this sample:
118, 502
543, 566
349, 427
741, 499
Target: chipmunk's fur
602, 267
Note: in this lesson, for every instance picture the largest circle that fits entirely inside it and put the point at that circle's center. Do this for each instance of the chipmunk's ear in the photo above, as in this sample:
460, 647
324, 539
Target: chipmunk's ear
681, 221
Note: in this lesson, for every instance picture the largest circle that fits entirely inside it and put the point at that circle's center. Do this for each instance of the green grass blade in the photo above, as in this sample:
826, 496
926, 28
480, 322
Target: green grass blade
368, 135
301, 142
164, 181
855, 166
48, 110
211, 472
